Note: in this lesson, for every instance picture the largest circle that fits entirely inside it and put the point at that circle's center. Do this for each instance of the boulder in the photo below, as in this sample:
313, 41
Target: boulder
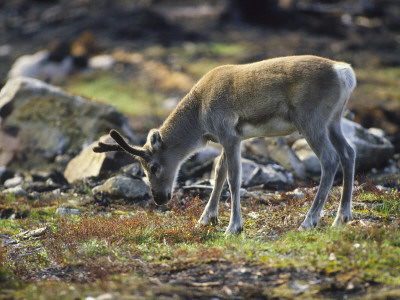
63, 211
88, 163
307, 157
373, 150
124, 187
13, 182
17, 191
39, 122
271, 176
276, 150
40, 66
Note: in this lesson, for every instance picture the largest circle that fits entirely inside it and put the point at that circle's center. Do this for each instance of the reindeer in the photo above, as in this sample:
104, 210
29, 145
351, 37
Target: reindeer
231, 103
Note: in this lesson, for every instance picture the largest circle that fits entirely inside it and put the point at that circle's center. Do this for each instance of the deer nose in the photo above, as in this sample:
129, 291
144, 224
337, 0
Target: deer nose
161, 198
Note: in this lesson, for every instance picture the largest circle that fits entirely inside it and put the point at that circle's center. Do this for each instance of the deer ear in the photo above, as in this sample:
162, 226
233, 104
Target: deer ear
154, 139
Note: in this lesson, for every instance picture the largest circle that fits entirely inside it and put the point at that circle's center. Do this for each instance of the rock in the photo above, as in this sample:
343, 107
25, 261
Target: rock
5, 174
124, 187
199, 164
31, 233
50, 177
40, 66
40, 122
277, 150
373, 150
40, 187
249, 167
307, 157
13, 182
102, 62
297, 193
17, 191
203, 189
62, 211
88, 163
134, 169
271, 176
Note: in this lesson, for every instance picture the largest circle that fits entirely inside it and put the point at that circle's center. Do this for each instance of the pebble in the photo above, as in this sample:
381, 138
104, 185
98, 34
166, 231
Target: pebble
62, 211
17, 191
12, 182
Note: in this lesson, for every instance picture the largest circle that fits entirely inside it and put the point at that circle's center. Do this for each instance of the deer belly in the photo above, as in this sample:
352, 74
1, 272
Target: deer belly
271, 128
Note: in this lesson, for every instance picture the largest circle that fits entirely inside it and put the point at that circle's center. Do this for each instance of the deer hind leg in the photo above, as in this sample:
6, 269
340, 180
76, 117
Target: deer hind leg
329, 160
347, 161
233, 157
210, 213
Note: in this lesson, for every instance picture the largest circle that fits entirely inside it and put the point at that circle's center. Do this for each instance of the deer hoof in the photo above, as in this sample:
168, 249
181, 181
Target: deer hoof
208, 220
233, 230
342, 219
308, 223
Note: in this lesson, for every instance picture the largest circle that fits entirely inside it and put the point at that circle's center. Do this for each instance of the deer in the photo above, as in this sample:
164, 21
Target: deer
232, 103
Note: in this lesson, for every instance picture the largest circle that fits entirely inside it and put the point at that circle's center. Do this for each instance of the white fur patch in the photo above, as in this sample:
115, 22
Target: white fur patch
346, 75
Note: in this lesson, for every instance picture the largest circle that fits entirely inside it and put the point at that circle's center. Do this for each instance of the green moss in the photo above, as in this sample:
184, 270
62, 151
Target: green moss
128, 97
382, 85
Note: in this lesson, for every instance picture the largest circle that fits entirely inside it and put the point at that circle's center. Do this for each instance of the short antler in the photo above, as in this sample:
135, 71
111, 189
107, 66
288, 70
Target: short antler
122, 146
102, 147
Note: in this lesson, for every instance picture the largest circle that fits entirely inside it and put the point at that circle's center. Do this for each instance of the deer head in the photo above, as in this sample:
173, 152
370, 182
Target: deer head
158, 164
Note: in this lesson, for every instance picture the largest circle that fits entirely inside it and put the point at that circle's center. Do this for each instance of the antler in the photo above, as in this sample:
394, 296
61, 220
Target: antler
102, 147
122, 146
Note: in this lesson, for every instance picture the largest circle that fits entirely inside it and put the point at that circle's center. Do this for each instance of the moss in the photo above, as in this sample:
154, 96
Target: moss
130, 98
382, 85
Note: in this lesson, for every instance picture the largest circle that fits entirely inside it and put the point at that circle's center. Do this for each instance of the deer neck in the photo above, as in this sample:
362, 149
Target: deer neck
182, 131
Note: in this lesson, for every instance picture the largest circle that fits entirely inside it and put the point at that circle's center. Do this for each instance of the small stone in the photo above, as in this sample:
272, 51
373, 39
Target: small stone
17, 191
13, 182
62, 211
296, 193
125, 187
102, 62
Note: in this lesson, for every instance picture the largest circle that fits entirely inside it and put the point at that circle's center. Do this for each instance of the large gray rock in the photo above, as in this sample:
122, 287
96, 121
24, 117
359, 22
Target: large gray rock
277, 150
124, 187
39, 122
308, 158
373, 150
40, 66
88, 163
272, 176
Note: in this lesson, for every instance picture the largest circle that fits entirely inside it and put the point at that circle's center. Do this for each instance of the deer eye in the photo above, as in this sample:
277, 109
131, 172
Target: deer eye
154, 168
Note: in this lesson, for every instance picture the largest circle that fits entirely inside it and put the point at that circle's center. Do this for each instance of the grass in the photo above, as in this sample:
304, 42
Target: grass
145, 245
378, 84
142, 94
130, 98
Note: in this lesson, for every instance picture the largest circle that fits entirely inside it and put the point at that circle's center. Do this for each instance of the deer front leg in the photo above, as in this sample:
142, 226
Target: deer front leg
210, 213
234, 178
